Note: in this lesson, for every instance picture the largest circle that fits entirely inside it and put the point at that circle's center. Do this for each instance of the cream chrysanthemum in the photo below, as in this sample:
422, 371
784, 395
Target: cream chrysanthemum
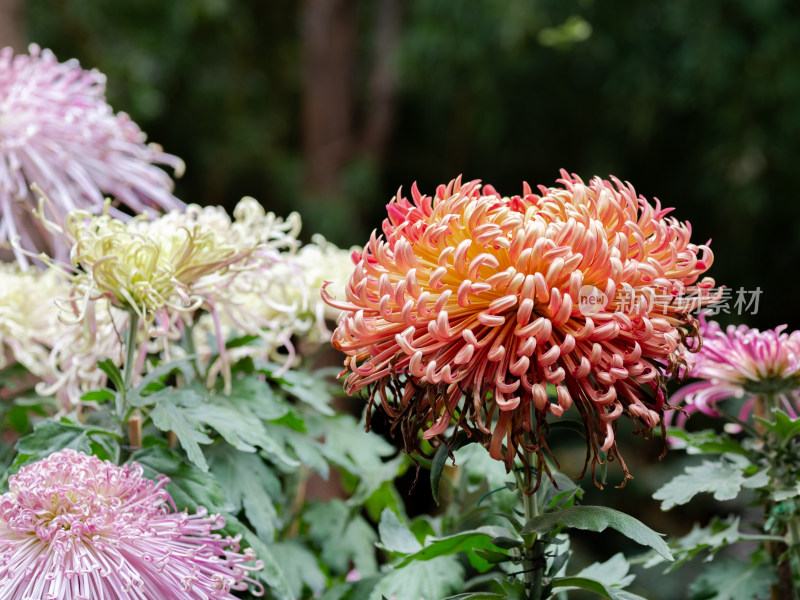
62, 355
29, 322
147, 267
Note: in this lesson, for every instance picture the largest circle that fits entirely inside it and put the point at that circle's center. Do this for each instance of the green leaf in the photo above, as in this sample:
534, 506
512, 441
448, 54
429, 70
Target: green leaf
386, 496
272, 574
113, 372
360, 453
51, 436
169, 416
395, 536
18, 418
716, 536
344, 536
784, 426
592, 585
189, 486
98, 396
437, 467
598, 518
309, 388
434, 578
300, 568
723, 478
143, 389
704, 442
252, 395
199, 414
250, 485
732, 580
465, 541
614, 572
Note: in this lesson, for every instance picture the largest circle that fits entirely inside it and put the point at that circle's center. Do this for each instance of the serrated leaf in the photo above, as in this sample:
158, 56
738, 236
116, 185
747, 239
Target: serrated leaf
784, 426
598, 518
141, 389
343, 535
168, 416
272, 574
396, 536
189, 486
300, 568
252, 395
309, 388
717, 535
722, 478
51, 436
613, 573
732, 580
363, 454
249, 485
307, 449
434, 578
704, 442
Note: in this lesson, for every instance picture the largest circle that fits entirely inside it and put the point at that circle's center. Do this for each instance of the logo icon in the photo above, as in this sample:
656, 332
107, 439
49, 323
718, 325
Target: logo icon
591, 300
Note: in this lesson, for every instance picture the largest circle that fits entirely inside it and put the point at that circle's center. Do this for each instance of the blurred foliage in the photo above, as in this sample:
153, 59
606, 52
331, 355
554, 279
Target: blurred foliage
694, 103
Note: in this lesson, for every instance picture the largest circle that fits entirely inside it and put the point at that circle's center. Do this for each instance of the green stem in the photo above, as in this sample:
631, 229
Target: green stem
130, 351
764, 407
794, 537
191, 350
134, 420
533, 562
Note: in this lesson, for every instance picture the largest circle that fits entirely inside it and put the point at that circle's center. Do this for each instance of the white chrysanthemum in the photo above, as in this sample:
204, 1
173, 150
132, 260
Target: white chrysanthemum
81, 344
29, 322
61, 354
324, 263
280, 303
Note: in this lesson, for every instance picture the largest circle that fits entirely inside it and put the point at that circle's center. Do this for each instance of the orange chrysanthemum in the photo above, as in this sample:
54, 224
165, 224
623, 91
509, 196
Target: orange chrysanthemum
586, 290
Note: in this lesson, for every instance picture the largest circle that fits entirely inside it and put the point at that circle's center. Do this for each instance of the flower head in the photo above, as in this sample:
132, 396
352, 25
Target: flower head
74, 527
151, 267
29, 322
57, 131
62, 356
524, 306
739, 362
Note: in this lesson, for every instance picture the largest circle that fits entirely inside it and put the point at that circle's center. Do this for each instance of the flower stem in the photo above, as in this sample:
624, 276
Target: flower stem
130, 350
764, 408
135, 418
533, 561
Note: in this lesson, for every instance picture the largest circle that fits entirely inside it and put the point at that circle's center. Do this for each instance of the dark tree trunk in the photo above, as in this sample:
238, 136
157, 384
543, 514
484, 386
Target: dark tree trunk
13, 30
329, 36
379, 118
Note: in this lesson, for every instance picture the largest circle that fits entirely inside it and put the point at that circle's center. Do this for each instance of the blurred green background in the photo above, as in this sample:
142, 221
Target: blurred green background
327, 107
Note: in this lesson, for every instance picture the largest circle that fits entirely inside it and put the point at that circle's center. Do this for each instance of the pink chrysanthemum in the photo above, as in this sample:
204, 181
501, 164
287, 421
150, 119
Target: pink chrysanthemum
740, 362
74, 527
583, 289
57, 131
